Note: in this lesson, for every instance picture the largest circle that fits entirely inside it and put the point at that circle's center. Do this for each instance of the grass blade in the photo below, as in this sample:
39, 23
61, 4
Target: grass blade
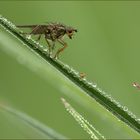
41, 128
93, 132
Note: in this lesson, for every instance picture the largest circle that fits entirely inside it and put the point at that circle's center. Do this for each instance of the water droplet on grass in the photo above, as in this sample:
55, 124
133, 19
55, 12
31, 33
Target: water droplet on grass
28, 36
125, 108
90, 84
45, 50
65, 66
94, 85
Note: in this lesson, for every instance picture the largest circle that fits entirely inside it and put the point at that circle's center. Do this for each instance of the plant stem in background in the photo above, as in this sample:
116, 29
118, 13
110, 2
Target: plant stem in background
48, 132
93, 132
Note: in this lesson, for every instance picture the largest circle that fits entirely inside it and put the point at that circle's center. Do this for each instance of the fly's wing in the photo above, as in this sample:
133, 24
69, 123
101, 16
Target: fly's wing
26, 26
36, 29
32, 27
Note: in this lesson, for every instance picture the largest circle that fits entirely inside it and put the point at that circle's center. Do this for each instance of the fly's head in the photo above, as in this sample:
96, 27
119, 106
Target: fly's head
70, 31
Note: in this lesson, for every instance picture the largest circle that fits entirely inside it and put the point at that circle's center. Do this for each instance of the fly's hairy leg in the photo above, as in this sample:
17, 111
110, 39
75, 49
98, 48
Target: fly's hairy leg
39, 37
35, 29
53, 45
49, 45
62, 49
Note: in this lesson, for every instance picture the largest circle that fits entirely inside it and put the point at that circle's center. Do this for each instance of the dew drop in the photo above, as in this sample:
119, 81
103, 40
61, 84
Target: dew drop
109, 97
45, 50
84, 80
37, 43
112, 100
41, 46
70, 70
65, 66
130, 113
28, 36
118, 105
67, 108
104, 93
90, 84
138, 120
76, 74
125, 108
116, 102
99, 90
94, 85
32, 40
133, 116
4, 19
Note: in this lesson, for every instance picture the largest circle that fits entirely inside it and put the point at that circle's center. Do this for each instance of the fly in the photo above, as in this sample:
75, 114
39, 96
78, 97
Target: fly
53, 32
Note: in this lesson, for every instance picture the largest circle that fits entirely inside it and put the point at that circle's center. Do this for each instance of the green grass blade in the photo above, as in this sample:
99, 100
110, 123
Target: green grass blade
93, 132
23, 119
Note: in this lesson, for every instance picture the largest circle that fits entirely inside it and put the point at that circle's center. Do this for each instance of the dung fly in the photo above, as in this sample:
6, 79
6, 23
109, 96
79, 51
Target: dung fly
53, 32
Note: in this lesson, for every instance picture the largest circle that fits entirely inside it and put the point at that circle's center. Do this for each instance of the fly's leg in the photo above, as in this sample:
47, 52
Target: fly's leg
39, 37
62, 49
53, 45
49, 45
34, 32
34, 29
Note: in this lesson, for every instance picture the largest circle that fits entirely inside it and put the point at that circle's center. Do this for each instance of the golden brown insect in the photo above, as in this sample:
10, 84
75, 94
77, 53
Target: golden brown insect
53, 32
137, 85
82, 75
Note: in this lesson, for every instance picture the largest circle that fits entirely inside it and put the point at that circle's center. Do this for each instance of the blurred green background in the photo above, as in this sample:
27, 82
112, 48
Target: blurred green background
106, 48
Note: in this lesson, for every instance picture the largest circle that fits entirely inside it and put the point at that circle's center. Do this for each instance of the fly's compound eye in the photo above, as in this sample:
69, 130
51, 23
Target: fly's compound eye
70, 32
